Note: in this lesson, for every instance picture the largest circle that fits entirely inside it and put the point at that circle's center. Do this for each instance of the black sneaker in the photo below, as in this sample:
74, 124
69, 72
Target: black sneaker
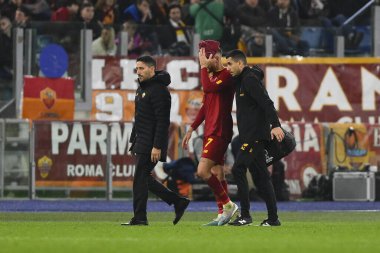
241, 221
179, 209
269, 223
134, 222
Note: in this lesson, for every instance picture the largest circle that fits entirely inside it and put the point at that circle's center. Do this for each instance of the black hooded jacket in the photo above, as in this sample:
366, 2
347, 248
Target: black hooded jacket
255, 111
152, 115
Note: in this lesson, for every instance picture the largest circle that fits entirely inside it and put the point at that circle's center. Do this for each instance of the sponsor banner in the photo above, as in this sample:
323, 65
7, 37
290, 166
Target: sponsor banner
48, 98
353, 146
74, 154
118, 105
307, 159
311, 90
113, 105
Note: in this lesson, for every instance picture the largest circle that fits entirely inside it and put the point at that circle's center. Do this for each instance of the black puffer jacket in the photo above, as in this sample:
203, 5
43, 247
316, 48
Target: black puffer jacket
152, 115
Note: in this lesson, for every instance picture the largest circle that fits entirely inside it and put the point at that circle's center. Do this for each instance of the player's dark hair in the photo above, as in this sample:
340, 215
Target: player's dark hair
148, 60
237, 55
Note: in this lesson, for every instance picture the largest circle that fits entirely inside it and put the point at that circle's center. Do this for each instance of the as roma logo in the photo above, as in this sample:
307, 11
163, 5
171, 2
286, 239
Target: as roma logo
44, 166
48, 96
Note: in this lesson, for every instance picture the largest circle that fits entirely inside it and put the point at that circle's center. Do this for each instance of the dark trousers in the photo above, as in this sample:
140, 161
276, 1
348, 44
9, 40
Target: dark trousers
144, 181
255, 162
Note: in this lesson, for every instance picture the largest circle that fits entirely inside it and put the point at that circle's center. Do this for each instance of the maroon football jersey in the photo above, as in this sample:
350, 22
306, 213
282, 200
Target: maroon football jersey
217, 104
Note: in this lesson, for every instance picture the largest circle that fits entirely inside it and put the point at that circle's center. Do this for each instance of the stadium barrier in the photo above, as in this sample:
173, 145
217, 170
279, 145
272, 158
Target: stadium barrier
14, 156
93, 156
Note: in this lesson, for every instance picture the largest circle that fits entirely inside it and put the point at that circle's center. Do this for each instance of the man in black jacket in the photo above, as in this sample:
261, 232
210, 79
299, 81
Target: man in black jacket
258, 123
286, 29
150, 139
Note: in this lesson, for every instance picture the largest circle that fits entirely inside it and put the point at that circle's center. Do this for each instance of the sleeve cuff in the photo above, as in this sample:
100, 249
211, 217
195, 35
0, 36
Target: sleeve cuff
276, 124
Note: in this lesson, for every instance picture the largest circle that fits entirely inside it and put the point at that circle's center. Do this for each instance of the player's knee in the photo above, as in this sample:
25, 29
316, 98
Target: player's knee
218, 172
203, 174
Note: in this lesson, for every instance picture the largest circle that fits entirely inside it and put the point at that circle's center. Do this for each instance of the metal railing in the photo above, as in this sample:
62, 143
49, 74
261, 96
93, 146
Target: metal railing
14, 155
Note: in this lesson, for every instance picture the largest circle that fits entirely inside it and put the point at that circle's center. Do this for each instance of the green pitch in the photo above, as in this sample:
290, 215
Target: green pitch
307, 232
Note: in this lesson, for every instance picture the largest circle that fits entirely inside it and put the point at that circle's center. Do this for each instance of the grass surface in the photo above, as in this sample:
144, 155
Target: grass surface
101, 232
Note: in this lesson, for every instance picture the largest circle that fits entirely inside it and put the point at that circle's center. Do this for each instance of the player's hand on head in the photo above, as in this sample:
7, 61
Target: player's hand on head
203, 60
277, 133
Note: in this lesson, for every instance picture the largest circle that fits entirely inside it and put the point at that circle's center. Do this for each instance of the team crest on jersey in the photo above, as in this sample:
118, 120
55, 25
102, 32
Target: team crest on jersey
219, 82
44, 166
48, 97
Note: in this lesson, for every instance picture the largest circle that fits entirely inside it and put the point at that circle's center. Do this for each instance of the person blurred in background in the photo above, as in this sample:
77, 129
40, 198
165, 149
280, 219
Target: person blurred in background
68, 12
174, 34
105, 44
338, 12
135, 41
106, 12
6, 48
208, 16
193, 105
22, 17
8, 8
121, 6
253, 20
137, 44
160, 11
284, 21
6, 26
86, 15
139, 12
185, 10
39, 9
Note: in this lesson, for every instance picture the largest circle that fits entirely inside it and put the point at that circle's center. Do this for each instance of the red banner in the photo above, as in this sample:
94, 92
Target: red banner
308, 158
74, 154
306, 89
48, 98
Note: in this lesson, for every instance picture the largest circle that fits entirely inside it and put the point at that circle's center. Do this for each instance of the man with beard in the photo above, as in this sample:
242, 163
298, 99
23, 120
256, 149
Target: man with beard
150, 140
258, 123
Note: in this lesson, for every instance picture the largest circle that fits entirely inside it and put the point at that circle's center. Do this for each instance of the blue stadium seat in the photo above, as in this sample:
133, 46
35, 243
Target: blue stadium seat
314, 36
365, 45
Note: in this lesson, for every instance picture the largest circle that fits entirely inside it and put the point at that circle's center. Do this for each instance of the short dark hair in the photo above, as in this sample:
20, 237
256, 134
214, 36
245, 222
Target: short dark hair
71, 2
85, 5
174, 5
148, 60
24, 10
237, 55
139, 2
